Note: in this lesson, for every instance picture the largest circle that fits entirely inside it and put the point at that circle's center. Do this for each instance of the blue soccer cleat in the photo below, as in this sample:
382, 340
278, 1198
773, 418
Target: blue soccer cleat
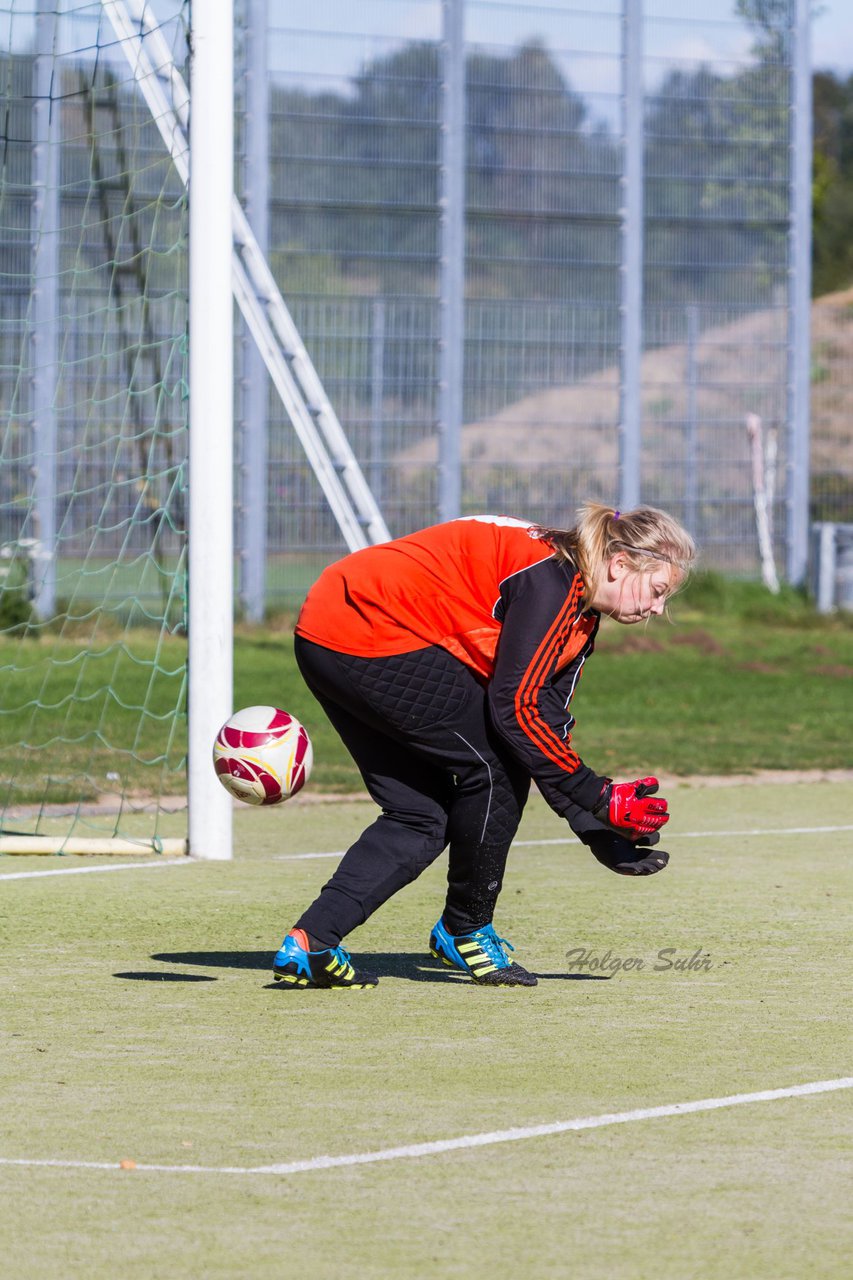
331, 968
481, 954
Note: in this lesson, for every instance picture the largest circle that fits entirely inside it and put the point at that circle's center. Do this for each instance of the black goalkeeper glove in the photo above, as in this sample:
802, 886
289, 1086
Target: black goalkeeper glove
623, 856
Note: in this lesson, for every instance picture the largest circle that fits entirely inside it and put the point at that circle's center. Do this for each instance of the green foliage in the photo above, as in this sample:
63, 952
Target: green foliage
301, 273
543, 170
15, 607
834, 497
716, 164
714, 594
770, 21
710, 139
832, 190
717, 599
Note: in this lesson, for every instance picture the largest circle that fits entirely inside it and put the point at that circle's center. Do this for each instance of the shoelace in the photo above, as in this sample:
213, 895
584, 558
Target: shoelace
341, 955
493, 946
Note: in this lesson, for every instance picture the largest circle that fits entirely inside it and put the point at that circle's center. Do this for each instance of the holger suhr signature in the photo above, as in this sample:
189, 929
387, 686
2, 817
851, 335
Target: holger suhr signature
667, 958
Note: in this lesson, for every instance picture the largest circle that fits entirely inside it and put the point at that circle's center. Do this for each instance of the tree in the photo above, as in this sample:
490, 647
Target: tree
832, 184
359, 173
717, 186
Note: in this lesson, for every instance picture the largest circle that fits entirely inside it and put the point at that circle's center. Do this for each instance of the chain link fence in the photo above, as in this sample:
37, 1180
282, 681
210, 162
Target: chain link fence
344, 120
357, 128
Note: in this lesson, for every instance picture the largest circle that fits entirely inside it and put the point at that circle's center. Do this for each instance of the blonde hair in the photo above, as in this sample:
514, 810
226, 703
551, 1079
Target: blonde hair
645, 536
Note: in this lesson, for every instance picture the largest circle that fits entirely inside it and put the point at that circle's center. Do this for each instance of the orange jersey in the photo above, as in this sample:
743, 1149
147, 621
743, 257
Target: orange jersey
493, 594
440, 586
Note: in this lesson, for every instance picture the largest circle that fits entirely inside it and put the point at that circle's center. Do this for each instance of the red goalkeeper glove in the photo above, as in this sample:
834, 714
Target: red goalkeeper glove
632, 807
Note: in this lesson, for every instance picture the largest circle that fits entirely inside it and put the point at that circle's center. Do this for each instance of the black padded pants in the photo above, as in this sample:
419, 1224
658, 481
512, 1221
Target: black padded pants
417, 726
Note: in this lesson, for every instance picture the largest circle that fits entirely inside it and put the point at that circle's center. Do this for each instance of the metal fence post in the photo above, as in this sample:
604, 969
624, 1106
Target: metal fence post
631, 267
691, 453
254, 451
452, 258
376, 462
45, 306
799, 299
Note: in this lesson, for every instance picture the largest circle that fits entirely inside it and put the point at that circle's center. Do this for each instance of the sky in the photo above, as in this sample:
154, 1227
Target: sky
832, 38
330, 39
334, 38
832, 32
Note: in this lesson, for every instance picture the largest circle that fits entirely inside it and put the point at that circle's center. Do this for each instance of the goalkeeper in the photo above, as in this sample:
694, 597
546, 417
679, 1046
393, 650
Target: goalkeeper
446, 662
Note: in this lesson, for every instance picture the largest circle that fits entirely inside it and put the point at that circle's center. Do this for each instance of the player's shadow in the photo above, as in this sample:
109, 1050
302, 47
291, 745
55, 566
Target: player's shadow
218, 959
413, 966
154, 975
575, 977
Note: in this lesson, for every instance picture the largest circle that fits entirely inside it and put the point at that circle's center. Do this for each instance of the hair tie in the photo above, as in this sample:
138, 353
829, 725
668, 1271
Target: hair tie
616, 515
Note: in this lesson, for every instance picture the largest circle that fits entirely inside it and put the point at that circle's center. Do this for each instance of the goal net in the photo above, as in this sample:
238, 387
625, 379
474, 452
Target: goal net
93, 442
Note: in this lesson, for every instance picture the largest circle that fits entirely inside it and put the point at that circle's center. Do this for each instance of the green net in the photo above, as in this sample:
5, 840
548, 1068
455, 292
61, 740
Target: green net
93, 407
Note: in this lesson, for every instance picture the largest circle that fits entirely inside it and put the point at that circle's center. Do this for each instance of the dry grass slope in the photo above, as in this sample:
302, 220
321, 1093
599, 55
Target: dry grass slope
739, 369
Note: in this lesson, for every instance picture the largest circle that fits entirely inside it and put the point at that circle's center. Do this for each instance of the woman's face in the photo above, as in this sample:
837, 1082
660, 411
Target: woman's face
630, 595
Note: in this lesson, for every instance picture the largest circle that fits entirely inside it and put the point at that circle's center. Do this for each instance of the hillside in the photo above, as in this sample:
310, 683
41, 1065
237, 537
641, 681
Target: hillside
738, 368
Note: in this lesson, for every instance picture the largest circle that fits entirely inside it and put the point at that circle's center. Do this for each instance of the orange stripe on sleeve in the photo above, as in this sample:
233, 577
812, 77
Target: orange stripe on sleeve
526, 698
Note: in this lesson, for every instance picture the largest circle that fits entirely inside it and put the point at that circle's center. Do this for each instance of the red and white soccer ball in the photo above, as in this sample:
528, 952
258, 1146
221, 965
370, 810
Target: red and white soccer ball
262, 755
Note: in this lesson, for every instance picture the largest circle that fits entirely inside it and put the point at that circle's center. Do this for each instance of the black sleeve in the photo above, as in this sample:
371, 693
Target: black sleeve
540, 611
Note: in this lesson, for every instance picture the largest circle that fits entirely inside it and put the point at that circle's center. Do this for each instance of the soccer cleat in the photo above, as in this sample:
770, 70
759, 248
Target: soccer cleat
481, 954
331, 968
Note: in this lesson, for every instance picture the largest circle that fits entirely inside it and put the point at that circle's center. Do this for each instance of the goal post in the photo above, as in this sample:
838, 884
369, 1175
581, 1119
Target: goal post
211, 499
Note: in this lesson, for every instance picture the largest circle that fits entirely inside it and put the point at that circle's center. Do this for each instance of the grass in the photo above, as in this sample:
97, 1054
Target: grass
138, 579
76, 711
148, 1030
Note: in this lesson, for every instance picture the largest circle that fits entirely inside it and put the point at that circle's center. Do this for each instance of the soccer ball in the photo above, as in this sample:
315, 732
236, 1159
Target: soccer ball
262, 755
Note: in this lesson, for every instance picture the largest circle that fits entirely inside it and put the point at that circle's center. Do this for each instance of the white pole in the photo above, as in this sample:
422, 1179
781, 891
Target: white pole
47, 137
631, 269
255, 387
211, 504
452, 260
799, 298
755, 431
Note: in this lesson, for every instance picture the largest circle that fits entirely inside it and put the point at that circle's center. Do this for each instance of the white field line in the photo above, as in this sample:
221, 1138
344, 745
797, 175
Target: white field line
674, 835
339, 853
755, 831
82, 871
418, 1149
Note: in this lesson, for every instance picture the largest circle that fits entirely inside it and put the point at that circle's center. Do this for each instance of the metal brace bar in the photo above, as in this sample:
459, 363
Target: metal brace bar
290, 367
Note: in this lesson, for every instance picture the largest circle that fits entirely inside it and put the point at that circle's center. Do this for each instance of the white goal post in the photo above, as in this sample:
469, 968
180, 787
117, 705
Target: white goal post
211, 436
